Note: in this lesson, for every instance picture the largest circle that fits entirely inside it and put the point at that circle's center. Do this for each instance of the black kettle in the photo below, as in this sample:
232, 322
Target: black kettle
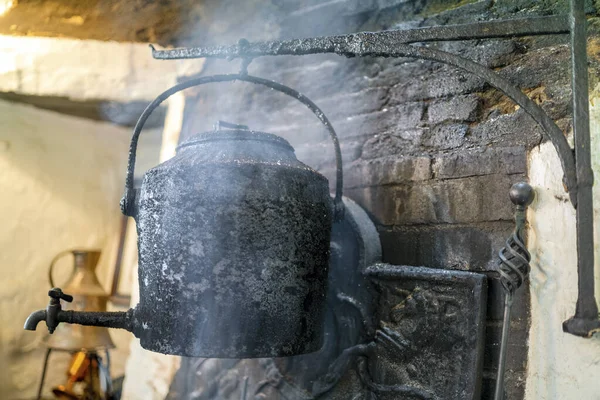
233, 241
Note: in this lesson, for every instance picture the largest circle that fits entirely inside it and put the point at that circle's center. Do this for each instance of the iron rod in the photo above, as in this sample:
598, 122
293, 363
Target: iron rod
508, 302
585, 321
585, 246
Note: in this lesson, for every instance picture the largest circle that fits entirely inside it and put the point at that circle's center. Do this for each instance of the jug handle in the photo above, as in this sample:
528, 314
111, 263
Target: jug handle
53, 263
129, 201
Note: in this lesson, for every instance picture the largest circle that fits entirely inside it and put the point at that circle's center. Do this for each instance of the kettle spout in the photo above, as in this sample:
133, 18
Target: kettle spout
34, 318
54, 315
107, 319
116, 319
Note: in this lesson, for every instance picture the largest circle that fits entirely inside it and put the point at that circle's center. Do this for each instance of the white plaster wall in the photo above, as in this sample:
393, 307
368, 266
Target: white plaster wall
86, 69
61, 179
561, 366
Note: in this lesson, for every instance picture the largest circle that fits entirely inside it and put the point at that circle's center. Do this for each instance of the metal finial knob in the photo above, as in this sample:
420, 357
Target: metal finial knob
521, 194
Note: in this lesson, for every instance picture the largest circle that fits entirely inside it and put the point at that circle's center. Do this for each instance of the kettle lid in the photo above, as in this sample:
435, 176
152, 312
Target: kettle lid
234, 132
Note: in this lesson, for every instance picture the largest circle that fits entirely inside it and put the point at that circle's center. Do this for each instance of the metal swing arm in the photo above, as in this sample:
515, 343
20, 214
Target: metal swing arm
382, 44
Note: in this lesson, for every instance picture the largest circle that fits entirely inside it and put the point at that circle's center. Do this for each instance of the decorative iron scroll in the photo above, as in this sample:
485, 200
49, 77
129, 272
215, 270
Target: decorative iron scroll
513, 269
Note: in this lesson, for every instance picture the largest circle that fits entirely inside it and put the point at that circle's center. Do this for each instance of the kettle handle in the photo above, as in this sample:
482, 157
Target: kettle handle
128, 202
53, 262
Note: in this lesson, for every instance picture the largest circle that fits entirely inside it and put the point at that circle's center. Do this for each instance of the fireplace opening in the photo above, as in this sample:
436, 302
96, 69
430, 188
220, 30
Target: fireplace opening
314, 212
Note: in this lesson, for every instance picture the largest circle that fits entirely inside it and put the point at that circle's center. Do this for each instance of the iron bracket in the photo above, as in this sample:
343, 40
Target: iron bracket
576, 162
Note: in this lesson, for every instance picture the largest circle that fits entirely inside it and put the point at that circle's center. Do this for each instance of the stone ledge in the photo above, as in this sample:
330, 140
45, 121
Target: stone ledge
124, 114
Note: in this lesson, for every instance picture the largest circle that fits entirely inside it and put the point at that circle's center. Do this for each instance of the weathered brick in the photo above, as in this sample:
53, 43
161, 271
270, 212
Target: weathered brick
385, 171
321, 154
352, 104
481, 161
463, 200
441, 82
557, 102
326, 18
517, 128
389, 144
301, 137
400, 119
318, 76
458, 108
472, 248
333, 9
334, 103
446, 136
546, 65
389, 72
456, 12
491, 53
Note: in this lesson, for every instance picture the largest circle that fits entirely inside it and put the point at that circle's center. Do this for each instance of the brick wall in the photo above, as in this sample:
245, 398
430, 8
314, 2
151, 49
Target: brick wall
429, 151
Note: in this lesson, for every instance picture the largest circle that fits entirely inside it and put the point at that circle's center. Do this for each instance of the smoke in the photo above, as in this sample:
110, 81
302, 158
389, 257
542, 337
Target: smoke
324, 78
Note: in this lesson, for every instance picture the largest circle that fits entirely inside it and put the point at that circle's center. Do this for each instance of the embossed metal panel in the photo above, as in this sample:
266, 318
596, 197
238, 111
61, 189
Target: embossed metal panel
433, 320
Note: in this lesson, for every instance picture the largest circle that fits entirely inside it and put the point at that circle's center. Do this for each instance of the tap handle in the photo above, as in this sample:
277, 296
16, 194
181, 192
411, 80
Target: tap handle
57, 293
